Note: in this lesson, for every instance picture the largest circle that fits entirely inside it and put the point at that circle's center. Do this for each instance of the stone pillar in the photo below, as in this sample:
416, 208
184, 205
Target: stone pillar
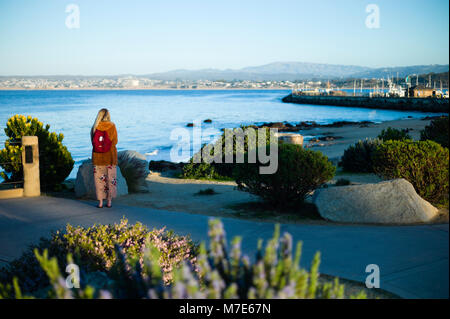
30, 162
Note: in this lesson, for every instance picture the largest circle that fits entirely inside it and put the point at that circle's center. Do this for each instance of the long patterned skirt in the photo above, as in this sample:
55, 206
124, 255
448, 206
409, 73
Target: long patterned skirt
105, 179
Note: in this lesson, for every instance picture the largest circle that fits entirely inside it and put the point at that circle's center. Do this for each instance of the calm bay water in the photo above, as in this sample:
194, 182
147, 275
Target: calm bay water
145, 118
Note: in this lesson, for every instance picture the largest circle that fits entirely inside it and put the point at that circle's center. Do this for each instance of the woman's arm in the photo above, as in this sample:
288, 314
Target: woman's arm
114, 139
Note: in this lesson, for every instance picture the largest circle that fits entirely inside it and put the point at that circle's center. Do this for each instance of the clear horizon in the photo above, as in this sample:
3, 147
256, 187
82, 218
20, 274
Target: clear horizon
137, 37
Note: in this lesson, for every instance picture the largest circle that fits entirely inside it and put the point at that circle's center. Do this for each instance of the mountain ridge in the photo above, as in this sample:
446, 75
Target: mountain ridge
297, 71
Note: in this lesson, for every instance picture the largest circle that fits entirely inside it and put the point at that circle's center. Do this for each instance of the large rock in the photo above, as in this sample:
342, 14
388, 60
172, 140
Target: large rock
291, 138
84, 183
388, 202
134, 167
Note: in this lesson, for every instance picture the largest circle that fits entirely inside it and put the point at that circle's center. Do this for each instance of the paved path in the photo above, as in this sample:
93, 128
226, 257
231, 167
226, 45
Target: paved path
413, 260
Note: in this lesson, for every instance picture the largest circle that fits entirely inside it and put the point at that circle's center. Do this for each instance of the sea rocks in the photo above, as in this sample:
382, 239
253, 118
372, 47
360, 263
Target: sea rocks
388, 202
162, 166
84, 183
306, 125
134, 167
326, 138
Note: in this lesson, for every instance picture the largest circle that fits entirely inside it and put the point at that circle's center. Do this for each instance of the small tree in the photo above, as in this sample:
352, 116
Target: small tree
223, 170
55, 161
299, 172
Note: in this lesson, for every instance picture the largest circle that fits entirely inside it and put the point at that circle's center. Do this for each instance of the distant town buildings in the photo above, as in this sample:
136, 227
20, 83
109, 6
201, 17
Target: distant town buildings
422, 91
372, 87
133, 82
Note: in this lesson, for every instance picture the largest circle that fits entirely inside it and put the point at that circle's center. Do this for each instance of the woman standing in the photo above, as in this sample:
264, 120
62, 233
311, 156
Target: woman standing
104, 157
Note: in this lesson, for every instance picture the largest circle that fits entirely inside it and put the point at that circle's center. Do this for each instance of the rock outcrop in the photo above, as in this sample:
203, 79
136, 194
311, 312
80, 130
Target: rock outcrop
387, 202
134, 168
290, 138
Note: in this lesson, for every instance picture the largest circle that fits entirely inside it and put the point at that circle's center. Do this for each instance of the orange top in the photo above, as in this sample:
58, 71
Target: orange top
110, 157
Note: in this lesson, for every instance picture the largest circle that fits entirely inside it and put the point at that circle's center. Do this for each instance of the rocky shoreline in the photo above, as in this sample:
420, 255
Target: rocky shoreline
332, 138
306, 125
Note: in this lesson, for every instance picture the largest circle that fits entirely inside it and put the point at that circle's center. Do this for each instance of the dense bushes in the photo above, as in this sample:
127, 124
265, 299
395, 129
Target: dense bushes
437, 131
55, 161
424, 164
358, 157
394, 134
218, 273
222, 170
94, 250
299, 172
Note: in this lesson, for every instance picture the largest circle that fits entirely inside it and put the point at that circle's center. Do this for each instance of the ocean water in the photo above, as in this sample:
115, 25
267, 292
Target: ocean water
145, 118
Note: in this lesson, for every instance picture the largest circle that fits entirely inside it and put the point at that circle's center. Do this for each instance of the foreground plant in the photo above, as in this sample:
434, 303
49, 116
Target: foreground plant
94, 250
217, 273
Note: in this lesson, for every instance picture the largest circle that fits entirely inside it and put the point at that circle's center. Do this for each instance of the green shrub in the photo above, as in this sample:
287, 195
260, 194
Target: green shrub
219, 273
200, 171
300, 171
55, 161
394, 134
220, 171
94, 249
423, 163
437, 131
357, 158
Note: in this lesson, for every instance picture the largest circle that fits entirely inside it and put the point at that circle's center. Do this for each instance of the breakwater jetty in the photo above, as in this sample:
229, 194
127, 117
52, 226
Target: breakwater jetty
434, 105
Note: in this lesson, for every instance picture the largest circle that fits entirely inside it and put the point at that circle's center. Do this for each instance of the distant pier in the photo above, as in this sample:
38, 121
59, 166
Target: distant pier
433, 105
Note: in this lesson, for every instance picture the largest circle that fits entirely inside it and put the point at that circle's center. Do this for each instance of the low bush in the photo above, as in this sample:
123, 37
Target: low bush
424, 164
300, 171
55, 161
221, 171
201, 171
394, 134
437, 131
218, 273
93, 248
357, 158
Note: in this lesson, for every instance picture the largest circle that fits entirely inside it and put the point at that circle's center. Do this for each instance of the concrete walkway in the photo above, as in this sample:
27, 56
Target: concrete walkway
413, 260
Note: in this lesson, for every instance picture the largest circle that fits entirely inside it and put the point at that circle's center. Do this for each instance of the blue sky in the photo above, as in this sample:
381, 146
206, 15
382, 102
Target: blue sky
145, 36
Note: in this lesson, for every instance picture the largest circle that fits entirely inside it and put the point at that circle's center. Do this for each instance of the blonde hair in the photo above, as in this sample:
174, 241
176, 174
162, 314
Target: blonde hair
102, 116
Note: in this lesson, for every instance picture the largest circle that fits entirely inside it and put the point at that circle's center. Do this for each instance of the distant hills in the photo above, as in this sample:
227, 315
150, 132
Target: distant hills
277, 71
292, 71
